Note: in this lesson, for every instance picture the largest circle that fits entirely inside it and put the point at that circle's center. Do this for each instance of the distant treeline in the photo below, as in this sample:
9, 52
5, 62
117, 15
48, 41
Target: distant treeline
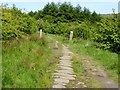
65, 12
61, 19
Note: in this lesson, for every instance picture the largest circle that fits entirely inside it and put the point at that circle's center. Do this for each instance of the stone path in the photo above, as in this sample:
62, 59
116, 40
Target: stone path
65, 72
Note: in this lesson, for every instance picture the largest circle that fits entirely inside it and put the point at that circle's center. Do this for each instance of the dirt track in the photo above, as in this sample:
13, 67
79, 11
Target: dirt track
65, 72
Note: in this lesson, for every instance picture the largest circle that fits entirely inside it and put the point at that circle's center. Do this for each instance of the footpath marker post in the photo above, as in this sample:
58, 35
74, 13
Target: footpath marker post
56, 44
71, 35
40, 33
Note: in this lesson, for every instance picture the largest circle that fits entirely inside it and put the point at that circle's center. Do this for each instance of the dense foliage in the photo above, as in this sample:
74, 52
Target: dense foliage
15, 23
65, 12
108, 34
62, 18
23, 65
54, 19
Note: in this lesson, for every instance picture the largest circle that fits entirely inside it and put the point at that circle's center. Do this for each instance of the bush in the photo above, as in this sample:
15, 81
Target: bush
107, 34
15, 23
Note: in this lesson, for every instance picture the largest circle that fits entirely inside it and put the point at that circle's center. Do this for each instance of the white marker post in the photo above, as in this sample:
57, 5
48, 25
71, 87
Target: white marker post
71, 35
56, 44
40, 33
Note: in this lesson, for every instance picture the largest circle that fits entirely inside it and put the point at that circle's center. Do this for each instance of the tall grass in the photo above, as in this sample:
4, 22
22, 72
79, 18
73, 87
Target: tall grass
107, 59
26, 63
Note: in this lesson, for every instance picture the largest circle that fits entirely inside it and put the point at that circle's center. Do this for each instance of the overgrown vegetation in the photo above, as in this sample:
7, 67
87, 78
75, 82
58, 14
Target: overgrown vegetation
26, 58
15, 23
61, 18
106, 58
28, 63
65, 12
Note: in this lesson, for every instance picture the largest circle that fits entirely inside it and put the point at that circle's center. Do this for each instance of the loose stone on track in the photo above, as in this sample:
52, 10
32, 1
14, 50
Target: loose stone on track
65, 73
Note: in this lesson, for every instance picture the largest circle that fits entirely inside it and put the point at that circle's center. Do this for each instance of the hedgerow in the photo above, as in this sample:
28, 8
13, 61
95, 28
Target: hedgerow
15, 23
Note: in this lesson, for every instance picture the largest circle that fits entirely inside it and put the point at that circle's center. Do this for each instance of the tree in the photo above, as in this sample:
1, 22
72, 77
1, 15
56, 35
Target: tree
66, 10
51, 9
38, 15
31, 13
86, 14
108, 34
95, 17
77, 13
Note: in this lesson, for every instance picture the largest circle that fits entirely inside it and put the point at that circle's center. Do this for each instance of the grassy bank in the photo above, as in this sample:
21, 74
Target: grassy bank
107, 59
28, 63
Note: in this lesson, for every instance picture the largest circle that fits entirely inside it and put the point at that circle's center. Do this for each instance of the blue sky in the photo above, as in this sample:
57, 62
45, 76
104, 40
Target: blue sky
102, 7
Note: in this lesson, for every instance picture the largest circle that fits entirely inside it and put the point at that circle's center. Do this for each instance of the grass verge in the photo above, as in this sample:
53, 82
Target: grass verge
28, 63
83, 80
107, 59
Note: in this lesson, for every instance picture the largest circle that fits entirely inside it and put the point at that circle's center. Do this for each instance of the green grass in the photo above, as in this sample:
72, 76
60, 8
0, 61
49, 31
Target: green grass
107, 59
78, 66
28, 63
82, 76
0, 64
